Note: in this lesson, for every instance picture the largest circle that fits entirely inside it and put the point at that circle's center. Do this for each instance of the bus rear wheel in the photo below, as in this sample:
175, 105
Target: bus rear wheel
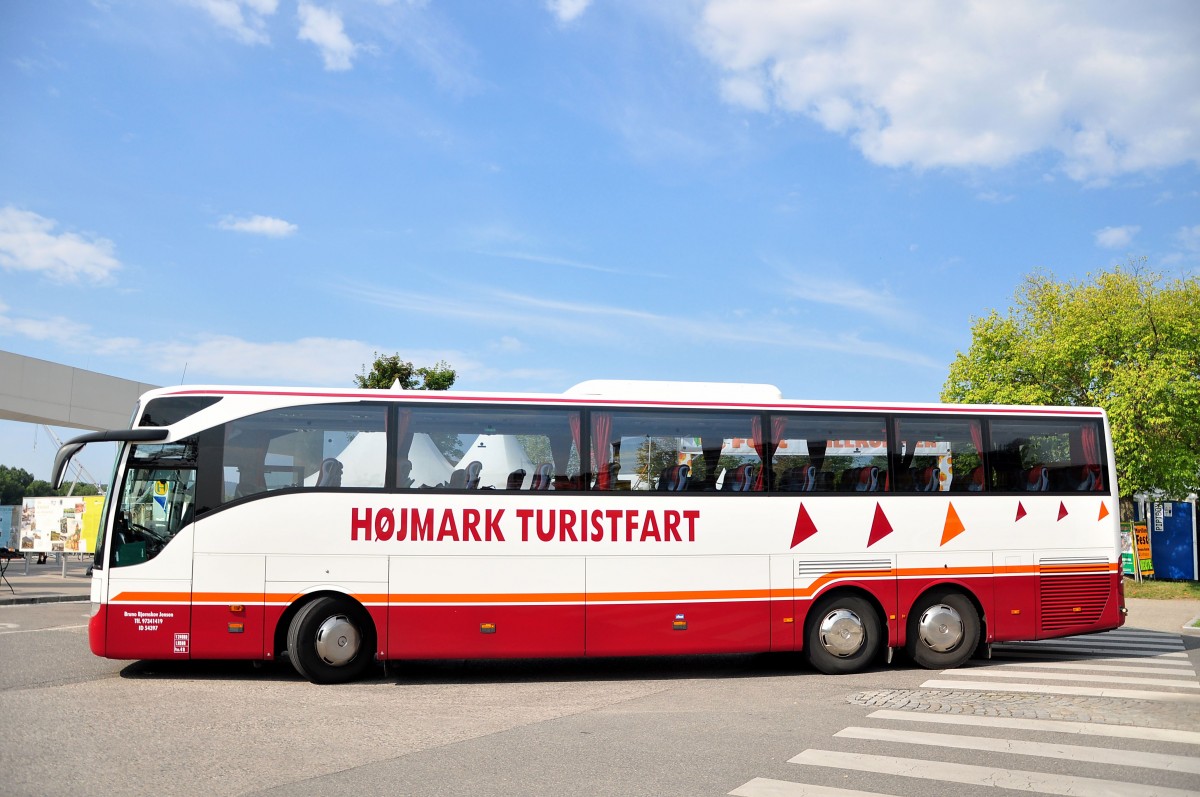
843, 634
331, 641
943, 630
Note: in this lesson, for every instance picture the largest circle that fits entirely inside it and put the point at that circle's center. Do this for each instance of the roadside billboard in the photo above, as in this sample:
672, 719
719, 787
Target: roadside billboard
60, 524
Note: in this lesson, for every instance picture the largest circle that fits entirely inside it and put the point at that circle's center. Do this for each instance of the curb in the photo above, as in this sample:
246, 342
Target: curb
44, 599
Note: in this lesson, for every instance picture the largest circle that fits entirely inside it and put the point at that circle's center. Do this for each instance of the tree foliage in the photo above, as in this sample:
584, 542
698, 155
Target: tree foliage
13, 482
18, 483
1127, 340
387, 370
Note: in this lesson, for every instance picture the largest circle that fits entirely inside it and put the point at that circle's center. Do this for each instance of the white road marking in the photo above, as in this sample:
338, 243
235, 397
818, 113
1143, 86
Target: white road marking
1051, 726
984, 672
1087, 691
1070, 752
1019, 780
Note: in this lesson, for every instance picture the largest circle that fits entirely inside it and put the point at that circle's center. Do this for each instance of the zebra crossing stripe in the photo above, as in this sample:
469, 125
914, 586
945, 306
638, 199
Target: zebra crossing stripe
1087, 691
971, 774
766, 787
986, 672
1044, 725
1072, 752
1139, 669
1163, 660
1046, 647
1140, 633
1115, 644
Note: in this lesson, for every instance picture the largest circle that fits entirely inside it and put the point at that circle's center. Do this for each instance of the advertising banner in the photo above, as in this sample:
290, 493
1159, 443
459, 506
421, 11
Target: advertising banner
10, 524
60, 524
1141, 541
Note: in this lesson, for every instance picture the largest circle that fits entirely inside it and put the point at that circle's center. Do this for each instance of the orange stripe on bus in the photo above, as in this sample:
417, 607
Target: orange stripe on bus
628, 597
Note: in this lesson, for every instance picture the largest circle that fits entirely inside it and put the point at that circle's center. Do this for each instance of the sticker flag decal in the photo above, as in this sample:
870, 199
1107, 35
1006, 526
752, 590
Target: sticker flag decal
954, 526
1103, 512
880, 527
804, 529
1021, 510
1062, 510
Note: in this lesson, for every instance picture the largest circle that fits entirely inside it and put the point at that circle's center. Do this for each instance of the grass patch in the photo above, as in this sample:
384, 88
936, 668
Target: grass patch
1162, 590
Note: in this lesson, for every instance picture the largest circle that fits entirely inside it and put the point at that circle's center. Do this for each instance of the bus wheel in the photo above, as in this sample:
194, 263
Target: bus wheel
331, 641
943, 630
843, 635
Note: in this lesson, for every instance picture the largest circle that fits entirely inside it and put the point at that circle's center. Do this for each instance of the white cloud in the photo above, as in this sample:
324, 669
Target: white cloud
1116, 237
1108, 89
244, 19
567, 10
259, 225
323, 28
28, 243
1190, 237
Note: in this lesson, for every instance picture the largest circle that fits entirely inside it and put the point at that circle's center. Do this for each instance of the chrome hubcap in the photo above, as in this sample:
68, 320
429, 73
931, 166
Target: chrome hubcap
940, 628
337, 640
842, 633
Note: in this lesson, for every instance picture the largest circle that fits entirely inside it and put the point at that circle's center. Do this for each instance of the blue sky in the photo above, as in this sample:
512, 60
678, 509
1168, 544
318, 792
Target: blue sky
818, 195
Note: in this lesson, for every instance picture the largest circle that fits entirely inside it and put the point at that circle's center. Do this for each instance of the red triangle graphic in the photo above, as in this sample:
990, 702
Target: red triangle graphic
805, 528
1103, 512
954, 526
1021, 510
880, 527
1062, 510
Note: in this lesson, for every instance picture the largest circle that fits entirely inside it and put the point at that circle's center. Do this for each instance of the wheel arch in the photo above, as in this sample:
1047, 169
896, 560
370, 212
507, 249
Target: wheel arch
285, 619
839, 591
943, 587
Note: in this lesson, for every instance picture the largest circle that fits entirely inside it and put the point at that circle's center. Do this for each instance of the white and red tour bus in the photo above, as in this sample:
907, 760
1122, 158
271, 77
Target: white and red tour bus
344, 527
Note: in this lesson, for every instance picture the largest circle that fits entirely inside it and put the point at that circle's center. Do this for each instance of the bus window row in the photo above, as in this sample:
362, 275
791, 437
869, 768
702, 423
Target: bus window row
543, 449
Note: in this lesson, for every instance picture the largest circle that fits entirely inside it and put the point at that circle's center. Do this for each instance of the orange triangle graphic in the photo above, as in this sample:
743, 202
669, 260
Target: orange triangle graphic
1103, 512
953, 526
880, 527
1062, 510
804, 529
1021, 510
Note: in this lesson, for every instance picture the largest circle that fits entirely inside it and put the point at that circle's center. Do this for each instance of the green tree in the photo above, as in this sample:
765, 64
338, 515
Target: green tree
40, 488
13, 482
389, 369
1127, 340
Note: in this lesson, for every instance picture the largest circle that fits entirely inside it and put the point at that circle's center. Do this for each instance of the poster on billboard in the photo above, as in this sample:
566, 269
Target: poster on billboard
60, 524
10, 525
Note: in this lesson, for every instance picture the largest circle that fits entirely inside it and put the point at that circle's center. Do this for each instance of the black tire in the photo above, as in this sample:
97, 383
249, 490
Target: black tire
943, 630
331, 641
843, 634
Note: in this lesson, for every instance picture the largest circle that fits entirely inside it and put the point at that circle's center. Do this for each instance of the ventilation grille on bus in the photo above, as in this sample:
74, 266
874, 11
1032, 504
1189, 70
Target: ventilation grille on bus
1071, 600
820, 568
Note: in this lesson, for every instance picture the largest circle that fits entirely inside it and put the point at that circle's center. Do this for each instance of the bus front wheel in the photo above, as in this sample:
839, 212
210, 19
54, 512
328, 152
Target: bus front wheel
943, 630
843, 634
331, 641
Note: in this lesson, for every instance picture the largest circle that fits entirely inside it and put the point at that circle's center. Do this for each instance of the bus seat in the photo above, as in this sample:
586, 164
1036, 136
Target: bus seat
674, 478
331, 473
458, 479
474, 471
925, 480
543, 477
404, 473
1089, 478
606, 477
1037, 479
516, 479
868, 480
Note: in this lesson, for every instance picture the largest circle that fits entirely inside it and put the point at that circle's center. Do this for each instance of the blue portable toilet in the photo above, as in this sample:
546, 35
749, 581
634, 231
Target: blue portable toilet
1173, 545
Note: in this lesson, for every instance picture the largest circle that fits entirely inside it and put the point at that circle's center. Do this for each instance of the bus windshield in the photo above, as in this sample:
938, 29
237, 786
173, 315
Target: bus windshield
158, 499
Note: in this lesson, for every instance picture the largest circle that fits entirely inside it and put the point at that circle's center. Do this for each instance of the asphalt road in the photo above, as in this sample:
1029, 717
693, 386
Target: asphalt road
74, 724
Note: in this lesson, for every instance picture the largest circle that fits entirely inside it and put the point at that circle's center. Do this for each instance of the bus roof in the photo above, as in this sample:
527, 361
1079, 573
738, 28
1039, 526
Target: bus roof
613, 392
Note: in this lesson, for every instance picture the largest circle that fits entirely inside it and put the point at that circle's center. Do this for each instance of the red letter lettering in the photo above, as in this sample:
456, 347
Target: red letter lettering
360, 523
385, 523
